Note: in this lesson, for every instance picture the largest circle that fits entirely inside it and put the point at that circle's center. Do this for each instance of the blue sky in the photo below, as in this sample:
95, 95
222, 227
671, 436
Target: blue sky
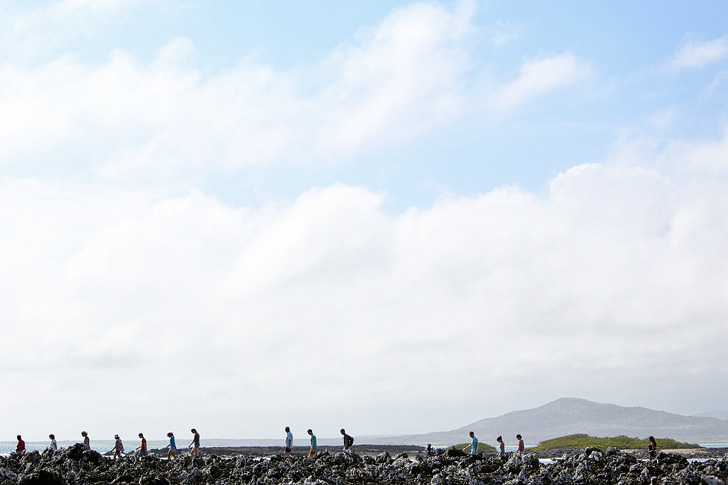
247, 215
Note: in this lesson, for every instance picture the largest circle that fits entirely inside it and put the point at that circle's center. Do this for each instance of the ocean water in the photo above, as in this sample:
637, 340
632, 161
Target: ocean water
102, 446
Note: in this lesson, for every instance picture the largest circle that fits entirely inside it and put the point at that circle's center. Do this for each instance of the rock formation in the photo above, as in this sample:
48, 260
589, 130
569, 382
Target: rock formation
76, 465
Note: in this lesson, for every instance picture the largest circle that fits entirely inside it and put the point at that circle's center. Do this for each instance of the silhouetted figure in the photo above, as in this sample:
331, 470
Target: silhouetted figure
652, 448
195, 445
348, 440
20, 448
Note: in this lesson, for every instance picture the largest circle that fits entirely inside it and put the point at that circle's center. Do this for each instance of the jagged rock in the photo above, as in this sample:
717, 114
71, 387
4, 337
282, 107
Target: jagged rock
42, 477
76, 466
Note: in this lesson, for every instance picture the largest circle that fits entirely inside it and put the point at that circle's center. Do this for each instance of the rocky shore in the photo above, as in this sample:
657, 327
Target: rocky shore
77, 465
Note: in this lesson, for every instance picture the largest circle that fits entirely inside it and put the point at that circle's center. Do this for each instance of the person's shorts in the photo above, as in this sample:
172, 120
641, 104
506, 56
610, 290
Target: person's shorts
287, 449
142, 453
312, 452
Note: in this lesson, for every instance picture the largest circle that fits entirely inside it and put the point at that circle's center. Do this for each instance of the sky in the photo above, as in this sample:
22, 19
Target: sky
390, 216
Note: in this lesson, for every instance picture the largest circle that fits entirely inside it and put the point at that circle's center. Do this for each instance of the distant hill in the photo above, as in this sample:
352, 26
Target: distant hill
568, 416
721, 414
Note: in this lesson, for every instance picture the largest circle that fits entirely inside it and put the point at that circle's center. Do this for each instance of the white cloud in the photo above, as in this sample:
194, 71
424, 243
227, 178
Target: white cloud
329, 308
614, 272
404, 78
126, 117
539, 77
694, 54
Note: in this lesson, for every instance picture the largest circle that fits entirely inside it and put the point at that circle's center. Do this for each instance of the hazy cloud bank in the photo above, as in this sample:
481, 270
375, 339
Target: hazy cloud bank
165, 294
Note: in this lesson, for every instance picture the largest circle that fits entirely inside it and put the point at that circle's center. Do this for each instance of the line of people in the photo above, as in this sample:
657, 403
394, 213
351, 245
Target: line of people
118, 448
288, 444
501, 445
171, 448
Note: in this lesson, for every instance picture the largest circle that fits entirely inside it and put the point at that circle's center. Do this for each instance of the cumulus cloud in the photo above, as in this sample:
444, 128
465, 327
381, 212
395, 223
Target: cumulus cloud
695, 54
166, 119
328, 307
403, 77
539, 77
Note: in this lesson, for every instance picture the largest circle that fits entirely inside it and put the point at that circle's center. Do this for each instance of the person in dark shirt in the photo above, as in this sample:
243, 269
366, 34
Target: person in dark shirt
348, 440
652, 448
195, 445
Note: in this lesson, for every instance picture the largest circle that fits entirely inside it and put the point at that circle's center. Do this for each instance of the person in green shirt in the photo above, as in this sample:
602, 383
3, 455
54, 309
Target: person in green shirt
314, 445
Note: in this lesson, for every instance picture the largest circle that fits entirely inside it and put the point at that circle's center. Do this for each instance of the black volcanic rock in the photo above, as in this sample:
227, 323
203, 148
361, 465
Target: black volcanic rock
590, 466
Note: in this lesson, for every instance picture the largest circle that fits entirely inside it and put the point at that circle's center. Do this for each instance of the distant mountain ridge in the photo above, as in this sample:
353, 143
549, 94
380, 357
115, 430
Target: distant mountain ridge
567, 416
720, 414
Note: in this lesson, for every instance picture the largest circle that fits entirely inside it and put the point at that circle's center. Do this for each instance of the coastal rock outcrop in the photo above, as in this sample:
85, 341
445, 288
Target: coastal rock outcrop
77, 465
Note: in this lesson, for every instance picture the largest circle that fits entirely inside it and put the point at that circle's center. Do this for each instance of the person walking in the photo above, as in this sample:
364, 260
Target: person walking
314, 444
289, 443
118, 448
521, 446
20, 447
501, 447
54, 444
473, 444
172, 446
195, 445
348, 440
652, 448
142, 447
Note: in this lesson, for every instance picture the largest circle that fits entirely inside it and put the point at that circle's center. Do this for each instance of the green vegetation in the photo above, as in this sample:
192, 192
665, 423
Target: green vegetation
577, 441
482, 447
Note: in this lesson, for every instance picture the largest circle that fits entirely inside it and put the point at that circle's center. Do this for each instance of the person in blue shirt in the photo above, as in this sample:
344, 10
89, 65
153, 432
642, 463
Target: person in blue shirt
473, 444
289, 442
172, 446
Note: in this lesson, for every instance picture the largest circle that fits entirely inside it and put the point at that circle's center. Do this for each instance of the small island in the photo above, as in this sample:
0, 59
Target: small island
583, 441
